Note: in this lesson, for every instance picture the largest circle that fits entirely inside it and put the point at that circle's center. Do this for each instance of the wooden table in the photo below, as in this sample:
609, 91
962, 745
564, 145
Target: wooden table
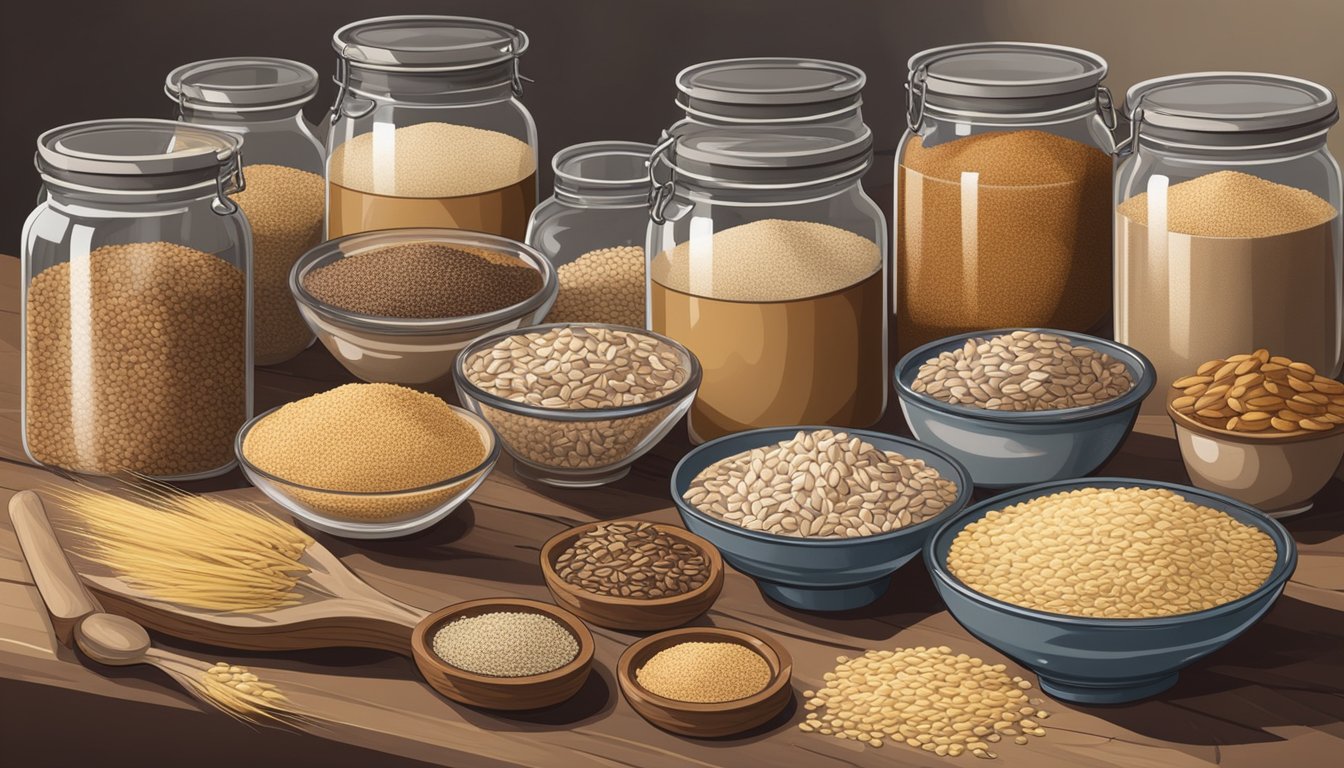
1273, 697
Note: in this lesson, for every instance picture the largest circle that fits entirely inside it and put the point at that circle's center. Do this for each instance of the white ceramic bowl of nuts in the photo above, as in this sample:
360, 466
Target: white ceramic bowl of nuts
575, 404
1020, 406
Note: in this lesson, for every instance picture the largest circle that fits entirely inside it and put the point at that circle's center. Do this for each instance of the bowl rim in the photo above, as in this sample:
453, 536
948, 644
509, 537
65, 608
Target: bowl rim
468, 388
1145, 378
424, 647
377, 239
492, 451
554, 544
965, 486
781, 668
1268, 437
1284, 564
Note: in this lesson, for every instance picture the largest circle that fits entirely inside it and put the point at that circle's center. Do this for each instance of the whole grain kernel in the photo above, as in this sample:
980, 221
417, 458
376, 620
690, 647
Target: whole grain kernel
633, 559
1260, 393
1023, 371
705, 673
602, 286
1116, 553
366, 439
928, 698
136, 360
821, 484
506, 644
284, 207
424, 280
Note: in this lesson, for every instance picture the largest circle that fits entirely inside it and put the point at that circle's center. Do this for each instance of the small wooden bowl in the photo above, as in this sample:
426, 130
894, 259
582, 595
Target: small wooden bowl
506, 693
629, 613
707, 720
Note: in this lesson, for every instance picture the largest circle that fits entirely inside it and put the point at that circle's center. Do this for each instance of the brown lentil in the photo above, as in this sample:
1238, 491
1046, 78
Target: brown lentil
161, 331
1023, 371
602, 286
284, 207
1034, 251
1121, 553
704, 673
633, 559
366, 438
821, 484
506, 644
928, 698
423, 280
1260, 393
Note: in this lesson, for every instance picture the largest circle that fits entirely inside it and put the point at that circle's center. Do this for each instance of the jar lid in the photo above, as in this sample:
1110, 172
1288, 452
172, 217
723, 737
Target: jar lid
604, 163
1248, 107
428, 43
769, 89
241, 82
761, 154
136, 154
1020, 76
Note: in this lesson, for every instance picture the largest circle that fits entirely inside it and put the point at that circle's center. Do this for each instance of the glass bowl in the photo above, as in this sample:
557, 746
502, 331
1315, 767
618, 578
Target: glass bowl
578, 447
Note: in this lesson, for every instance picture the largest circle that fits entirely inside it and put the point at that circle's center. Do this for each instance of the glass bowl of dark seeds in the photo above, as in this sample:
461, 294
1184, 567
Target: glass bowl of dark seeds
398, 305
632, 575
1020, 406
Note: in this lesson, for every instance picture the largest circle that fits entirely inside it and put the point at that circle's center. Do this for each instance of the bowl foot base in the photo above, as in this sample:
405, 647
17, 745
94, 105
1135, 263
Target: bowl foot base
1119, 692
832, 599
569, 481
1279, 514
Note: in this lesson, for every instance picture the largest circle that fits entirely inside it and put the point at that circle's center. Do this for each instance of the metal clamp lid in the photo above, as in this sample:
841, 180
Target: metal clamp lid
229, 182
661, 193
916, 86
241, 84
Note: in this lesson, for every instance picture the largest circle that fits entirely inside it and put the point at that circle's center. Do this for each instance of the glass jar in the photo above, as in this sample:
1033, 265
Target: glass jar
1002, 192
261, 99
427, 129
768, 261
593, 230
1227, 226
137, 338
780, 91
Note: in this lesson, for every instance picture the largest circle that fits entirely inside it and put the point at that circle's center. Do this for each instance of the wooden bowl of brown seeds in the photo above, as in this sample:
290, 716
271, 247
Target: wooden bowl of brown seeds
709, 664
1261, 428
631, 574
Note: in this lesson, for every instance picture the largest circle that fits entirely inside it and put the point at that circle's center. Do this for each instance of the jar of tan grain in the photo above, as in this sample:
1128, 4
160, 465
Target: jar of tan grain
768, 261
1227, 224
427, 129
592, 228
137, 338
261, 99
1002, 192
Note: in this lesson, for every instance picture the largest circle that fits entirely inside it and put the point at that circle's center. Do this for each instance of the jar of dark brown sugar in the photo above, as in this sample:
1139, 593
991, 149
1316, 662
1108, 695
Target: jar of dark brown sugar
427, 129
136, 301
768, 261
1227, 224
1002, 192
261, 100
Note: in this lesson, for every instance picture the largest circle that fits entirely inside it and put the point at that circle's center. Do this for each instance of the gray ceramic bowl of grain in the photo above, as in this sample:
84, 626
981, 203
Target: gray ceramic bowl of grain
1098, 660
806, 573
1010, 449
400, 350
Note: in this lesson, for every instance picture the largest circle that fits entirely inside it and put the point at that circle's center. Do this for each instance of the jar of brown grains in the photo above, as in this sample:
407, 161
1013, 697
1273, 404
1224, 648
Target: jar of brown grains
136, 301
1002, 179
261, 99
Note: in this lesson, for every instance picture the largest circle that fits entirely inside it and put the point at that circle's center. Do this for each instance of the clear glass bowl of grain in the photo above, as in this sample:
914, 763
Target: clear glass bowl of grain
580, 437
373, 334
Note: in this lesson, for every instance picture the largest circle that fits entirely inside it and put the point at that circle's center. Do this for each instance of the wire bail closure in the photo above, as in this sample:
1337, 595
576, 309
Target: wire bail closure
230, 181
916, 89
660, 194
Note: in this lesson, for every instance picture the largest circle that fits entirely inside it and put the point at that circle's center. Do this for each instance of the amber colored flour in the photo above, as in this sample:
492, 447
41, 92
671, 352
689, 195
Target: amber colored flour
1022, 243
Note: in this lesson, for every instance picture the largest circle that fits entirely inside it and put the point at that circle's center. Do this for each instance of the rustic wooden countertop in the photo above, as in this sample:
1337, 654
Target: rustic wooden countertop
1273, 697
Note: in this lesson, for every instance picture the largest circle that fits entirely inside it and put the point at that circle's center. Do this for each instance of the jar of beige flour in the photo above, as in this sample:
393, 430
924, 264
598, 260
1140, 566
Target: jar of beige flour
136, 301
768, 261
427, 129
1227, 224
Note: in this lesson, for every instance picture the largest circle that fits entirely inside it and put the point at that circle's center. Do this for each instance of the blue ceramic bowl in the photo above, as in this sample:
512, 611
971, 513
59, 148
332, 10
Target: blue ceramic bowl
1105, 661
814, 574
1010, 449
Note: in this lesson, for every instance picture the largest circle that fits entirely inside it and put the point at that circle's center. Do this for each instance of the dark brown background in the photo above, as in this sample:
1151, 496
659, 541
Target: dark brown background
604, 69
